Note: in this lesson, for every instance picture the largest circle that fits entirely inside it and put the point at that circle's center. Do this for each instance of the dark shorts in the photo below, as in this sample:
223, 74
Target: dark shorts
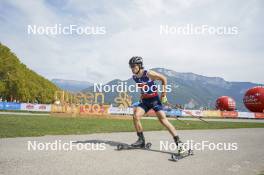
151, 103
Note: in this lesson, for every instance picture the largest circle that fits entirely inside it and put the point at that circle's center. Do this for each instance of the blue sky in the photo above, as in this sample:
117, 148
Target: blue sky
132, 28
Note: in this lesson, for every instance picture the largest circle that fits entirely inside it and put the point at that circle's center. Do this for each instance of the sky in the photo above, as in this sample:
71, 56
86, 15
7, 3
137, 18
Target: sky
132, 28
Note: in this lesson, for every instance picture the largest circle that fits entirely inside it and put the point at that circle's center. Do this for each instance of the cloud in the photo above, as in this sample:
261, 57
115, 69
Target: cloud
132, 28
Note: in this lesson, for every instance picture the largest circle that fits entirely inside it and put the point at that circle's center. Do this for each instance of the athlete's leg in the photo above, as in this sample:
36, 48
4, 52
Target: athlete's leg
138, 113
165, 122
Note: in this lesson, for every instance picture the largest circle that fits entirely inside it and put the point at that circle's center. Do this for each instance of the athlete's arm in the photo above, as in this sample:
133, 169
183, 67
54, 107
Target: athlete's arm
157, 76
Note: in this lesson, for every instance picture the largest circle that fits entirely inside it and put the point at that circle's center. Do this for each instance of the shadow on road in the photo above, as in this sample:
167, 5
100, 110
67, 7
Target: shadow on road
114, 144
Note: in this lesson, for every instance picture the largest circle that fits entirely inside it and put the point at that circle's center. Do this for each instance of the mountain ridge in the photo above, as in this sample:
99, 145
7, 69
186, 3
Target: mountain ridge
71, 85
188, 88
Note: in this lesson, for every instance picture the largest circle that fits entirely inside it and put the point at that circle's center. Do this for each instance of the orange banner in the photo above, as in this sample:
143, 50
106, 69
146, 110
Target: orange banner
229, 114
259, 115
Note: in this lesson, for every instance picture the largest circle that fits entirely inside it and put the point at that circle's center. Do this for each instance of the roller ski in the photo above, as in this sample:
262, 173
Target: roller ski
181, 151
139, 144
129, 147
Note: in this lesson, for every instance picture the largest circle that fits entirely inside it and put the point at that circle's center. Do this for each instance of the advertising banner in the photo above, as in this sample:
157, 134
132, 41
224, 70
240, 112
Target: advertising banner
246, 115
9, 106
259, 115
173, 112
229, 114
117, 110
2, 106
35, 107
212, 113
196, 113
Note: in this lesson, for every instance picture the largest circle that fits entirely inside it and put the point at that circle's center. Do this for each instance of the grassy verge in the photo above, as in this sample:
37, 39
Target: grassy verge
20, 126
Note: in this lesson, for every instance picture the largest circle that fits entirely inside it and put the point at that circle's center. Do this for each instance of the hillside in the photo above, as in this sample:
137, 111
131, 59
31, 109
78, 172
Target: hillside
20, 83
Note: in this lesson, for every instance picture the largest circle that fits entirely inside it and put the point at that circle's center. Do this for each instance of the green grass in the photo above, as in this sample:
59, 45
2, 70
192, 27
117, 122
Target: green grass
261, 173
20, 126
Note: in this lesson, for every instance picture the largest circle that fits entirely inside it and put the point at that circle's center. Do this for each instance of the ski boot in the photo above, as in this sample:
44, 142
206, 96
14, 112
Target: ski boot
140, 143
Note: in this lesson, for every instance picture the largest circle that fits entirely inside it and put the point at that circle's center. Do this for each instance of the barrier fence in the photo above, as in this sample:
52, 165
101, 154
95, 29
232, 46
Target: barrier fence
97, 109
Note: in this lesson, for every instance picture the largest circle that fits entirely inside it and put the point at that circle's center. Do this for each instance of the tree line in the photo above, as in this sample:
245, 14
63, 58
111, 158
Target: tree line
17, 82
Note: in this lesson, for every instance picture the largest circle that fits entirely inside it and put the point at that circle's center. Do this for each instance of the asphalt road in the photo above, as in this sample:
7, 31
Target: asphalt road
15, 158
